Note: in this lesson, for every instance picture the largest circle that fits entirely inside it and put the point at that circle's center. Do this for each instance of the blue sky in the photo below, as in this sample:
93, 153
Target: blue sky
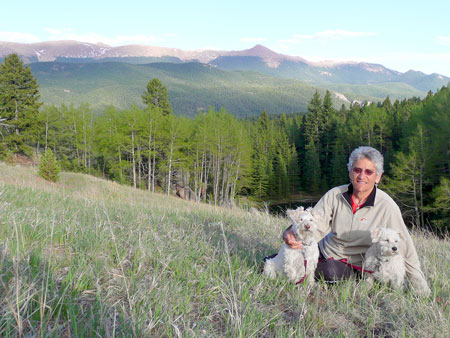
401, 35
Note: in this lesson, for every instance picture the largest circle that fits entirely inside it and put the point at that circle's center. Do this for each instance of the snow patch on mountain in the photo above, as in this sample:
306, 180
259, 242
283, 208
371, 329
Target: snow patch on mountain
341, 97
272, 63
375, 69
39, 53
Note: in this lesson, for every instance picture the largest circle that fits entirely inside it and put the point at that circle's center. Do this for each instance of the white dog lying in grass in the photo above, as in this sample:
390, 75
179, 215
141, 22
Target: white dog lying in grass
384, 258
297, 264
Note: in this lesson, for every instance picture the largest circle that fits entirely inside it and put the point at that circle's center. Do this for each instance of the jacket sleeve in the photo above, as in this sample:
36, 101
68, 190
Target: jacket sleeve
415, 275
285, 233
324, 213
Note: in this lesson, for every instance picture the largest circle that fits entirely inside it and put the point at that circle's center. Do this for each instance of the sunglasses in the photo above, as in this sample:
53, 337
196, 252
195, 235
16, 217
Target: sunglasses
367, 172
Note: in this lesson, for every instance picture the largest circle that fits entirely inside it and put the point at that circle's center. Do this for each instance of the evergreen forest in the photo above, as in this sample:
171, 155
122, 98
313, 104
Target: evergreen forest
220, 159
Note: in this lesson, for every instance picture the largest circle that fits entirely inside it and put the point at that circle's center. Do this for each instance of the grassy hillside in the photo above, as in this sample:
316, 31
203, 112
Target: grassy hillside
191, 86
380, 90
194, 86
88, 257
349, 78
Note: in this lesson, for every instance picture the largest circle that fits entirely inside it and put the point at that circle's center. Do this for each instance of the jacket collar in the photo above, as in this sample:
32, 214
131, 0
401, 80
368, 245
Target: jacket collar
370, 200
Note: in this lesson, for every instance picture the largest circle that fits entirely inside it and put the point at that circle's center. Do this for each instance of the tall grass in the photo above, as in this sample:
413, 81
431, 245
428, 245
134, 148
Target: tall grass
87, 257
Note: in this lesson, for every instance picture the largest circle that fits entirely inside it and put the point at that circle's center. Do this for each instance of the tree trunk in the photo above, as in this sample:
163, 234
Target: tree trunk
133, 159
206, 176
170, 168
151, 147
154, 170
16, 117
46, 134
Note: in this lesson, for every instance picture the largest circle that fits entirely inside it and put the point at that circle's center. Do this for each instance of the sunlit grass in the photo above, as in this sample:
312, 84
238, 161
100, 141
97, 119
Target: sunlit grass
88, 257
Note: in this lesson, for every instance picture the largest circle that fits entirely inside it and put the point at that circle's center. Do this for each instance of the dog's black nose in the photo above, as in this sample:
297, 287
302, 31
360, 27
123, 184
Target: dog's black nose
394, 248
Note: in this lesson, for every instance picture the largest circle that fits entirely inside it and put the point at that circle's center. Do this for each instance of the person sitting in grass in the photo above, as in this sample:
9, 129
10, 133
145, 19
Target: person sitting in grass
348, 213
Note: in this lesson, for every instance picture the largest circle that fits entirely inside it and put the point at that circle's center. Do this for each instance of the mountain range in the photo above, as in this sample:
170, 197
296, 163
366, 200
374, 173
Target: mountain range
245, 82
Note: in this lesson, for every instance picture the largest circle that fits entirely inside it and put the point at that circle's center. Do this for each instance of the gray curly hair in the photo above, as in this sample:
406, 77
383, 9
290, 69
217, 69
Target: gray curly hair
366, 152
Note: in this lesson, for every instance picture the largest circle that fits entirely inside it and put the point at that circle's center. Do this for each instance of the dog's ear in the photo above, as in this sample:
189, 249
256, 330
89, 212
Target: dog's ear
375, 234
291, 215
402, 237
295, 215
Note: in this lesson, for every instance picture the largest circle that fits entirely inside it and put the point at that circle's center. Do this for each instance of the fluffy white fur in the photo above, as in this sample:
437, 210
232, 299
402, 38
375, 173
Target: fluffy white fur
385, 259
290, 262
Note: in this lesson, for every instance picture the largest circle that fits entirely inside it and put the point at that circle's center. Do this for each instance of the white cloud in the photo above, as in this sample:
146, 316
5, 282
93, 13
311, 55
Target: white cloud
68, 34
253, 40
336, 34
444, 40
18, 37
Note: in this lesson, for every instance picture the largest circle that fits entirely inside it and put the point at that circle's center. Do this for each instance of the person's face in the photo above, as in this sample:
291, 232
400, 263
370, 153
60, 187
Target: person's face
363, 176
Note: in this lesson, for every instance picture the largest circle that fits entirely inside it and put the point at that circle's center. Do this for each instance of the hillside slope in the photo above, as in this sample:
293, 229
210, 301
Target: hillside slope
194, 86
90, 257
283, 83
340, 76
191, 86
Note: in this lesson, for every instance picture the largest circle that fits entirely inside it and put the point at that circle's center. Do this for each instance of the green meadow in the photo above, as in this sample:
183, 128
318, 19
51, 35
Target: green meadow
86, 257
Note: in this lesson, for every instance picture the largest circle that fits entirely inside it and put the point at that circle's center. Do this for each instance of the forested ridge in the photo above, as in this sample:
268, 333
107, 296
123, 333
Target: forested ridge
218, 158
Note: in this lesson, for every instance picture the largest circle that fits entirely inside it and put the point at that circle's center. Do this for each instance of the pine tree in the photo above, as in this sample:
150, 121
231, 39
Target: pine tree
313, 121
327, 134
435, 120
407, 180
260, 177
327, 105
19, 104
49, 168
281, 188
157, 96
311, 171
441, 204
387, 105
262, 168
338, 167
294, 171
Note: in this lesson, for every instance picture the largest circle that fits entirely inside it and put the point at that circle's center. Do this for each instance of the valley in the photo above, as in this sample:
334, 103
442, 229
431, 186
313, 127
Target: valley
243, 82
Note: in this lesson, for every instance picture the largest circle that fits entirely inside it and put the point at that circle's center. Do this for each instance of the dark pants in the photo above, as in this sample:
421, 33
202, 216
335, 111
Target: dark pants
330, 270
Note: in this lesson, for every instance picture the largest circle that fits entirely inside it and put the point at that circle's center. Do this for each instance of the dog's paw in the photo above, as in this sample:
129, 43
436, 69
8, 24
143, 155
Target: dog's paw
369, 282
269, 270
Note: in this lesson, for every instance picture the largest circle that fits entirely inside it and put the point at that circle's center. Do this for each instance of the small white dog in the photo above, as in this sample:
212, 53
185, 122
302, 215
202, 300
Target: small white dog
297, 264
384, 259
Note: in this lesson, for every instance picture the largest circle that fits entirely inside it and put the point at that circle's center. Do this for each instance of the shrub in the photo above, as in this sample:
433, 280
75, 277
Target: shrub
49, 167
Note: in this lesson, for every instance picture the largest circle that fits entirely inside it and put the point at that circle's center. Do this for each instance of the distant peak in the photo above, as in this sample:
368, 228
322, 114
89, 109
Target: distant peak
412, 71
260, 50
260, 47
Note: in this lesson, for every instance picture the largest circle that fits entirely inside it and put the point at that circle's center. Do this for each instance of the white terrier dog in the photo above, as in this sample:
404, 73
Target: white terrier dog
297, 264
384, 258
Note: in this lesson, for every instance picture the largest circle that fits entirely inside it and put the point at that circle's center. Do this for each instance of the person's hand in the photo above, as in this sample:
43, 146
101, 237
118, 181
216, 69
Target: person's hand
289, 239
